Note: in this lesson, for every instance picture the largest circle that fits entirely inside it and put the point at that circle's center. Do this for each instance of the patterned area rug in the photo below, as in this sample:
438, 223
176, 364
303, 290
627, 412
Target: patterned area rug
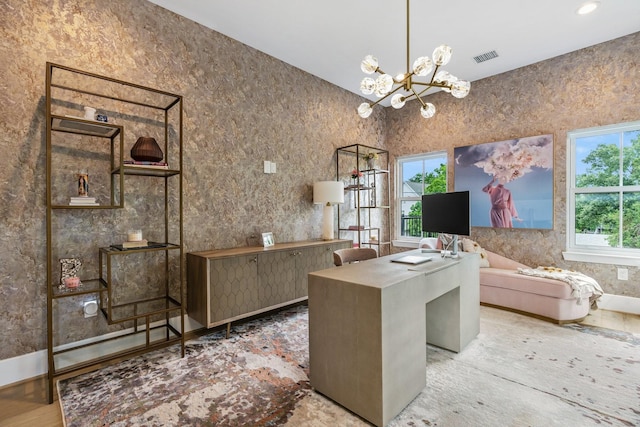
519, 371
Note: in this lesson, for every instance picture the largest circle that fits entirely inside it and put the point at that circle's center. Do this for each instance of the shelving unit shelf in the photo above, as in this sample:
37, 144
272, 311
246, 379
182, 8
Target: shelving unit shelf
138, 293
364, 217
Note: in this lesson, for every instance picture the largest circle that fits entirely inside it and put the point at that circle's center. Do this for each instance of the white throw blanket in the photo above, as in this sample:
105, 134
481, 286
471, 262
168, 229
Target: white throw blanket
580, 283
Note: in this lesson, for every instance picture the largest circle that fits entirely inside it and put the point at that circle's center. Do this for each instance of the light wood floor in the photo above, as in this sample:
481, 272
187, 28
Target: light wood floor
25, 404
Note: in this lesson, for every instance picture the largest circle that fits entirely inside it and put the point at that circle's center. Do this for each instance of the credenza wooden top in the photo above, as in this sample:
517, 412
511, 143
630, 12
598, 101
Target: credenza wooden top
250, 250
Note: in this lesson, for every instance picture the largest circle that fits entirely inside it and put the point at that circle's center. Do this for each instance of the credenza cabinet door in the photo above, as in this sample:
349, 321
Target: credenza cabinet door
277, 277
234, 287
311, 259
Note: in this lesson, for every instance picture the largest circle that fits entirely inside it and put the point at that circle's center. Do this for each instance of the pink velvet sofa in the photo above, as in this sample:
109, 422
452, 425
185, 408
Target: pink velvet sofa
502, 286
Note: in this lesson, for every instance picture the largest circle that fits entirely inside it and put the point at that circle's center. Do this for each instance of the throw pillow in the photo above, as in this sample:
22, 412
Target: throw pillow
469, 245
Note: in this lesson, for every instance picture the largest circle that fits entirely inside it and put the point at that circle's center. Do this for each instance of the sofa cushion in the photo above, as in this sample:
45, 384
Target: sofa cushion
469, 245
511, 279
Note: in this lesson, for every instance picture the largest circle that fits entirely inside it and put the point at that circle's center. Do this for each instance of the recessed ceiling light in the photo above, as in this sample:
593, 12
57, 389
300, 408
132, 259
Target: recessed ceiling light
588, 7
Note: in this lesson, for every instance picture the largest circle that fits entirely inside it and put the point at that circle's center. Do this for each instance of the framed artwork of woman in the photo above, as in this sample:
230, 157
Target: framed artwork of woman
510, 182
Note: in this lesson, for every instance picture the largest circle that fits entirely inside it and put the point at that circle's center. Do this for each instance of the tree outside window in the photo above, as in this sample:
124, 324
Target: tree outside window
424, 174
605, 191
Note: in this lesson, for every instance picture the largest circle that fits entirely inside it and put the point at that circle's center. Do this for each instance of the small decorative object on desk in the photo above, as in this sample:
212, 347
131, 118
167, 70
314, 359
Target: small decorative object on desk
102, 118
69, 268
146, 149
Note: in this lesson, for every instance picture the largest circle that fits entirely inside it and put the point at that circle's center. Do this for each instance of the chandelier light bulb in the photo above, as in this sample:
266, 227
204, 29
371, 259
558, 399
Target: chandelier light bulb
428, 110
397, 101
442, 55
446, 78
365, 110
460, 88
367, 86
384, 84
369, 64
422, 66
400, 77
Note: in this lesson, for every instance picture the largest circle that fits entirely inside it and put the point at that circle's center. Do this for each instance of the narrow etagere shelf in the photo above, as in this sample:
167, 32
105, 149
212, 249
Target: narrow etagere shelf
364, 217
79, 225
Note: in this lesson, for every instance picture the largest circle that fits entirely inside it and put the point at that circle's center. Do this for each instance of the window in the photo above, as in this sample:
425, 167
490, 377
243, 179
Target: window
417, 175
603, 197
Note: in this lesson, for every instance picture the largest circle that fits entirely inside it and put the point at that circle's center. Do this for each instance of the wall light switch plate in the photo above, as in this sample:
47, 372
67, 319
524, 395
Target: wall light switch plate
623, 274
267, 166
273, 167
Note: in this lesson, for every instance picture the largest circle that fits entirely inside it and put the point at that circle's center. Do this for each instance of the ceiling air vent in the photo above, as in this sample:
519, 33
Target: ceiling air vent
485, 56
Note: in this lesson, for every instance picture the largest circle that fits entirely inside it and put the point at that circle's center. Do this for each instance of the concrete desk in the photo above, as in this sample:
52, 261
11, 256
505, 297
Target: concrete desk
369, 322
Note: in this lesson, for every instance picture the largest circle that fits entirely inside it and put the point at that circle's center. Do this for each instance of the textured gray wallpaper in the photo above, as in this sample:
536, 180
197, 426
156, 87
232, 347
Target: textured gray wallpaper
241, 107
591, 87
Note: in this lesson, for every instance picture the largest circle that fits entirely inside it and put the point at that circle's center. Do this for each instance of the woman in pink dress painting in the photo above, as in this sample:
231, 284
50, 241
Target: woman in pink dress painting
503, 210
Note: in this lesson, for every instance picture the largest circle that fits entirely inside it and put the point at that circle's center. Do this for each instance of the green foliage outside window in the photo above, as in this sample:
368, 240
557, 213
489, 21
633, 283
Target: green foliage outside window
434, 182
600, 212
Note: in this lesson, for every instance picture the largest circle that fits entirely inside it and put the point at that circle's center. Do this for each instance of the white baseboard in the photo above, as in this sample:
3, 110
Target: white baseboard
619, 303
31, 365
23, 367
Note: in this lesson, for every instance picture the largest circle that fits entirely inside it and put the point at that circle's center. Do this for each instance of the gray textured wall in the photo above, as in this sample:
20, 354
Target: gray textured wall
591, 87
241, 107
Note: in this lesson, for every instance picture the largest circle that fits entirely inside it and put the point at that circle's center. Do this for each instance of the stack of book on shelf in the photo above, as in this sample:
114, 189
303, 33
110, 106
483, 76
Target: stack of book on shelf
139, 244
83, 201
135, 244
143, 164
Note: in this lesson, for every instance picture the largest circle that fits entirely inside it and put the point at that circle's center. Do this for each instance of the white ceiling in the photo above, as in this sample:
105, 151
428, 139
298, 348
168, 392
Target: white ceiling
329, 38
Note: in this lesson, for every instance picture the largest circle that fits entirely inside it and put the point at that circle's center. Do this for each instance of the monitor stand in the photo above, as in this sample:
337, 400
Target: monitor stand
453, 253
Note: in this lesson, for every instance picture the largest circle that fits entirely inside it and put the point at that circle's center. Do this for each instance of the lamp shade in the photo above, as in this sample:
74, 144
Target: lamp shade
328, 192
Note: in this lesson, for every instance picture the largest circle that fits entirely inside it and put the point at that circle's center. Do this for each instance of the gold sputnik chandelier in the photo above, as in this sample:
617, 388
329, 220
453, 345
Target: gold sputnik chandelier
383, 86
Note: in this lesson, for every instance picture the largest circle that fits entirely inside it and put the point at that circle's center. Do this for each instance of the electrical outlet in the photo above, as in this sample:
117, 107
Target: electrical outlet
623, 274
90, 308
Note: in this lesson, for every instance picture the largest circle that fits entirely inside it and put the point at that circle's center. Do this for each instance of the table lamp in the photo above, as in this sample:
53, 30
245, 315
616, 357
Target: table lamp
328, 193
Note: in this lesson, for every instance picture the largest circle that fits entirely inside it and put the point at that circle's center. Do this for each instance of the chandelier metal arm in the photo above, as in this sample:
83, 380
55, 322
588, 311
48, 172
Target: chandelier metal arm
386, 96
418, 97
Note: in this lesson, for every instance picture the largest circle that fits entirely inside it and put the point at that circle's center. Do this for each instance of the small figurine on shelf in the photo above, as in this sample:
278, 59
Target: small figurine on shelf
83, 184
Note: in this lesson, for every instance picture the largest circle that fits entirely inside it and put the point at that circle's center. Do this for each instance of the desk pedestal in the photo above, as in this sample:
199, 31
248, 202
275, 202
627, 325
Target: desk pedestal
368, 324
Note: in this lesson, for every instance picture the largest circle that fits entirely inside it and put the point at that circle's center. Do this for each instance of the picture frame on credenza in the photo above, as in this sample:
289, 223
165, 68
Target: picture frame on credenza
267, 239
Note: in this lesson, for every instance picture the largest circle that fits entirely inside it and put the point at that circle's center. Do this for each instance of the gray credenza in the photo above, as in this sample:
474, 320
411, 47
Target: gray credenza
230, 284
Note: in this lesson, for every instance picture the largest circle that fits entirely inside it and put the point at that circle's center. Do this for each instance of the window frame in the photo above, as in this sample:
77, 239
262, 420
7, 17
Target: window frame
590, 253
409, 241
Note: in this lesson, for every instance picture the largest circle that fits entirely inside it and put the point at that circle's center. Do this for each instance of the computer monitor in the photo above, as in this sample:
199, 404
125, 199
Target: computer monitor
447, 213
